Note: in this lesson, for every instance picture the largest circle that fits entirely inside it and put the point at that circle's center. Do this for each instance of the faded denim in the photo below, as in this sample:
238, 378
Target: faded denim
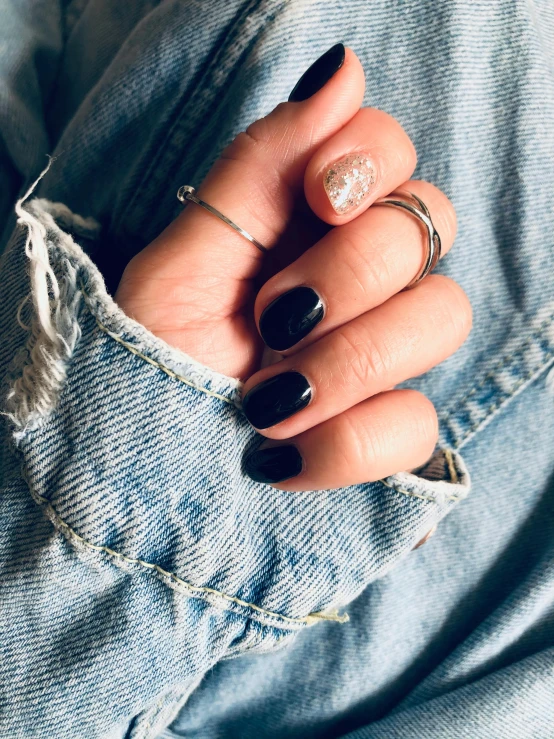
136, 556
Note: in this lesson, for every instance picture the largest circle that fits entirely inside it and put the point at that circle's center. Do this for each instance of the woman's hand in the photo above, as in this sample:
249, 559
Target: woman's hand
331, 302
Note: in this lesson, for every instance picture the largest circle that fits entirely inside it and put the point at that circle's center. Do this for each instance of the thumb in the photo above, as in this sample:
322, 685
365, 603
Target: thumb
192, 286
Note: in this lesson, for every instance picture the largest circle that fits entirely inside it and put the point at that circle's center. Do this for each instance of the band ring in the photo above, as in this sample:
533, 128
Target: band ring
186, 192
410, 202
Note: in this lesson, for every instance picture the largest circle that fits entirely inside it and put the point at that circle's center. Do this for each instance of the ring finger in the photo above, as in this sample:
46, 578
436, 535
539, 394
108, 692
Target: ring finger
405, 336
351, 270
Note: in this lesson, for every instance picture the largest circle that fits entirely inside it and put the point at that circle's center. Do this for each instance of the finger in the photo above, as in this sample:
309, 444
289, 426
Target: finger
404, 337
255, 183
352, 269
380, 436
368, 158
198, 272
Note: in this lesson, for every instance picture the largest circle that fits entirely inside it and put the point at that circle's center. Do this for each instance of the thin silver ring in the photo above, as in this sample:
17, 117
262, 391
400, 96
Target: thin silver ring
413, 204
186, 192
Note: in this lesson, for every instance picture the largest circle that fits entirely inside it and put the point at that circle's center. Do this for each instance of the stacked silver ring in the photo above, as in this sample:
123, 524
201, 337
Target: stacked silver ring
413, 204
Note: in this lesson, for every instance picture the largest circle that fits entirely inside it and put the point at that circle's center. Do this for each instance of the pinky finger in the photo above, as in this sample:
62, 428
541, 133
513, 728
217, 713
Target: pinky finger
385, 434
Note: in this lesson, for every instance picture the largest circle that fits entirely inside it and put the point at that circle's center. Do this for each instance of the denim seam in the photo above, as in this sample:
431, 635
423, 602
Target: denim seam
453, 498
453, 479
236, 41
161, 367
492, 376
154, 714
211, 393
495, 407
308, 620
518, 384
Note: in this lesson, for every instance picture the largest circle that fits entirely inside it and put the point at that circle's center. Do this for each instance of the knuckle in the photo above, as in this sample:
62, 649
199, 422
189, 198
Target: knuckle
399, 145
449, 218
252, 143
272, 132
425, 421
445, 217
448, 305
358, 447
365, 259
419, 423
268, 200
243, 147
259, 132
459, 309
359, 360
418, 416
401, 154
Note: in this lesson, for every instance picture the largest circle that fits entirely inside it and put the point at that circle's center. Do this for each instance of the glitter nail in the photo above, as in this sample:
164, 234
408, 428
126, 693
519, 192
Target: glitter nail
348, 182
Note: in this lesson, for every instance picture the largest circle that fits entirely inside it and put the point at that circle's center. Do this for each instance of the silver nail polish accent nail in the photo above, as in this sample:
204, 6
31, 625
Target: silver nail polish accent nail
348, 181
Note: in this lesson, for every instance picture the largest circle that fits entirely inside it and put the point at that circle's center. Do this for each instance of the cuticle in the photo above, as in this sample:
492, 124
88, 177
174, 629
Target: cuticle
312, 391
310, 383
303, 470
319, 295
325, 167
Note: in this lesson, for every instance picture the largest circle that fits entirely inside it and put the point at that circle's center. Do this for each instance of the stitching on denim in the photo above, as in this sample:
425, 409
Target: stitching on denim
154, 715
161, 367
307, 620
148, 359
175, 376
170, 373
430, 498
495, 406
502, 363
509, 358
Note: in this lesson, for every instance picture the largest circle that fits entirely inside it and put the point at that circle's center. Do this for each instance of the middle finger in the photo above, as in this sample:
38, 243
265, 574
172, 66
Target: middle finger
352, 269
402, 338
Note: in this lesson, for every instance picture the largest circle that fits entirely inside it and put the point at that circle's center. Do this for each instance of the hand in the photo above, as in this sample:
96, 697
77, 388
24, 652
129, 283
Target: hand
331, 300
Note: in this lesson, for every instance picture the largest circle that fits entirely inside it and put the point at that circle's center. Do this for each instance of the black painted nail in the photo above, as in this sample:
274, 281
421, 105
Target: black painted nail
274, 464
275, 399
318, 74
290, 317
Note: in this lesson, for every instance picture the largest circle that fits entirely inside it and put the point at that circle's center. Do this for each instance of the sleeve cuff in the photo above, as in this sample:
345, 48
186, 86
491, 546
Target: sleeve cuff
135, 451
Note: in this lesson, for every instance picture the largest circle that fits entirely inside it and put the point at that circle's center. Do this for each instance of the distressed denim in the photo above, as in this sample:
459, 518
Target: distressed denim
148, 587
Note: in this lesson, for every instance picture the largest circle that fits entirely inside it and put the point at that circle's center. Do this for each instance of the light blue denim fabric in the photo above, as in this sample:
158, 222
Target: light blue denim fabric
136, 557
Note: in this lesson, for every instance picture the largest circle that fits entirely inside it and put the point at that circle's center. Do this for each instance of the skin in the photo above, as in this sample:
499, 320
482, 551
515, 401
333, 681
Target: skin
202, 288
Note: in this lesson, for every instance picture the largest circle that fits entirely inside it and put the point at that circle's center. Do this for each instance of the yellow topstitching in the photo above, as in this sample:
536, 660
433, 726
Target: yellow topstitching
309, 619
201, 389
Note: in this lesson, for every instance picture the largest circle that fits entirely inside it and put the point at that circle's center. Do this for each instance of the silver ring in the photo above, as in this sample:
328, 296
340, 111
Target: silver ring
414, 205
186, 192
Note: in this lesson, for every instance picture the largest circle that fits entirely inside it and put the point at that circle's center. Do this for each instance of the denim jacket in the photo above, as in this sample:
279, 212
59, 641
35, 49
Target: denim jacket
148, 587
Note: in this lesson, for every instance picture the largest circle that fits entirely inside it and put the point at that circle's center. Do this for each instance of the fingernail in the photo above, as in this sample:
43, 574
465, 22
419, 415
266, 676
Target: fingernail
275, 399
290, 317
348, 182
274, 464
427, 536
318, 74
